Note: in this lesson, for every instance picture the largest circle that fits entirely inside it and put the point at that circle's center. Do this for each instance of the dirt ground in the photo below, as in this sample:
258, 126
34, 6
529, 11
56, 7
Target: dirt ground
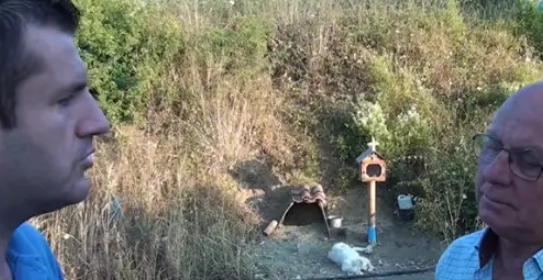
298, 251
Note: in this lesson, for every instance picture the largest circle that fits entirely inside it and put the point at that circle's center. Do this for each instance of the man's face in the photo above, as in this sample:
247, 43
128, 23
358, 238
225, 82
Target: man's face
43, 160
509, 204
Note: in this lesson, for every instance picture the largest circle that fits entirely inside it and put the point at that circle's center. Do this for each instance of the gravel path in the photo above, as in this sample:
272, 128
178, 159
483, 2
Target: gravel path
425, 276
297, 251
415, 276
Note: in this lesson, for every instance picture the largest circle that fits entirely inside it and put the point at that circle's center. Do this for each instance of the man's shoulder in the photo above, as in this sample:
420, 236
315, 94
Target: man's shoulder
460, 256
29, 233
29, 243
466, 243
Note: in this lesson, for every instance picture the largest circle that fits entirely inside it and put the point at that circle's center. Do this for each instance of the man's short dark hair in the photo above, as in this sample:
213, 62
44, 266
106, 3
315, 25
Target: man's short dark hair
16, 62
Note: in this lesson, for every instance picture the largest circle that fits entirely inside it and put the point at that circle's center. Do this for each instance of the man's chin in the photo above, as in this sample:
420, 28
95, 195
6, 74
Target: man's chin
81, 190
491, 216
77, 193
504, 228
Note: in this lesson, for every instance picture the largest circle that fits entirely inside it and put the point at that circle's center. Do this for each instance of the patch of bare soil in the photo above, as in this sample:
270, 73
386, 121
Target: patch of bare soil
299, 251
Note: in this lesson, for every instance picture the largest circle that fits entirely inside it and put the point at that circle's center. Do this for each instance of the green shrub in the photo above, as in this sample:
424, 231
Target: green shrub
430, 82
448, 193
238, 48
127, 49
531, 22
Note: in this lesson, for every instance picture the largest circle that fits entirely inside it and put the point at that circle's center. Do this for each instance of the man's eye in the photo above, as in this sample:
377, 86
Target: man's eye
493, 147
529, 159
66, 100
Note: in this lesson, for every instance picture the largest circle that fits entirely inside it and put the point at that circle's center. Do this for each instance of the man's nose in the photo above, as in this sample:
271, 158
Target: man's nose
498, 171
93, 122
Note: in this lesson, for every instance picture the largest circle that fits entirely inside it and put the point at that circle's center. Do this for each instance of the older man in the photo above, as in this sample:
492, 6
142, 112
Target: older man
510, 197
48, 120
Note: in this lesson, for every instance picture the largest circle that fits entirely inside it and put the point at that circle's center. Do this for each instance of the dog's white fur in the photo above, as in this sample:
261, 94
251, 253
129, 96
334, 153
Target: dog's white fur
348, 258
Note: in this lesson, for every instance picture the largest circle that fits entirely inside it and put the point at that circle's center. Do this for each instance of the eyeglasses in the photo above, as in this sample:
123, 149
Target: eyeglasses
524, 162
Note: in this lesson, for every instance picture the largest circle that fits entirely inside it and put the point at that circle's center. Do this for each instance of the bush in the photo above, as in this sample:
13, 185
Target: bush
431, 81
240, 47
530, 20
127, 48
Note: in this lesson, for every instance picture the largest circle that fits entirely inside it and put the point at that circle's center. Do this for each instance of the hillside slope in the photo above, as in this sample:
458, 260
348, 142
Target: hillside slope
214, 99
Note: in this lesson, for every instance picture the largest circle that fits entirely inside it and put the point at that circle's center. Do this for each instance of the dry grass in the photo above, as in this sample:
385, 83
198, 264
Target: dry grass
184, 217
178, 222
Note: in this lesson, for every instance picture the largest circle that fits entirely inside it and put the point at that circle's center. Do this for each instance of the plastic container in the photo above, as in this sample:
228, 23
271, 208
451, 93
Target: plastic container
405, 207
405, 202
335, 221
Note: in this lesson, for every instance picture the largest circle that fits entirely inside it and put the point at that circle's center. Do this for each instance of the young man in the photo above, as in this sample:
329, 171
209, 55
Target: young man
48, 120
509, 195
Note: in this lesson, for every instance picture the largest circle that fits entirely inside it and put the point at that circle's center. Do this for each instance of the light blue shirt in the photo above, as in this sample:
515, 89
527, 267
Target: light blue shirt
470, 257
29, 256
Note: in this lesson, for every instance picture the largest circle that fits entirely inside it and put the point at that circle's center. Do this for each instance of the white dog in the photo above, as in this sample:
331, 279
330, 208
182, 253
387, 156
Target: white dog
348, 258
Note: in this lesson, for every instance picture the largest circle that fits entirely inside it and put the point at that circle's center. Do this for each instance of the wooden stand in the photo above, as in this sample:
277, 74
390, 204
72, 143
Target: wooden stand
372, 219
372, 170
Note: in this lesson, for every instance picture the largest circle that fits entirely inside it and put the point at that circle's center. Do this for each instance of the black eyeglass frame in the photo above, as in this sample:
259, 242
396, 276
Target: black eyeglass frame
509, 157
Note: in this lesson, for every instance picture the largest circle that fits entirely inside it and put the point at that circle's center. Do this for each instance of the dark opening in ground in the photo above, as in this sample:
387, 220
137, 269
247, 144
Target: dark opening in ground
302, 214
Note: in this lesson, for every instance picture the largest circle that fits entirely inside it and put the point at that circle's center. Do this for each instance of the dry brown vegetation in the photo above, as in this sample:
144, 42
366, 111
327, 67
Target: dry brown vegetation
281, 81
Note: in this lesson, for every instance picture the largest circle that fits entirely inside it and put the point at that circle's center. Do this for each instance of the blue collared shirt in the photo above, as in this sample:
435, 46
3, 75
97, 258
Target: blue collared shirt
469, 258
29, 256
